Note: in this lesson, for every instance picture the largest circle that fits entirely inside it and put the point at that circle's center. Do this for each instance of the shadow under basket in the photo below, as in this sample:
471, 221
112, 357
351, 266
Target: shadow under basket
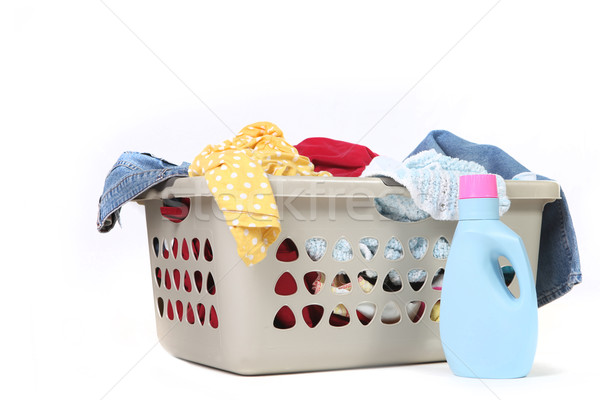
305, 310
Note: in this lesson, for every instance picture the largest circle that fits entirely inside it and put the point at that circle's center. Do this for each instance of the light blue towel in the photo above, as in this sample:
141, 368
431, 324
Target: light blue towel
432, 181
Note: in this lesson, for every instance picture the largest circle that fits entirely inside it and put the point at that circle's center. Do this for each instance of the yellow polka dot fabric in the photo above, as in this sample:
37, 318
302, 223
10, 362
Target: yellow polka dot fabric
236, 172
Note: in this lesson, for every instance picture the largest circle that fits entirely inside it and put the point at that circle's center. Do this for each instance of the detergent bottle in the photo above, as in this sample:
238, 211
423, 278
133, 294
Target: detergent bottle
486, 332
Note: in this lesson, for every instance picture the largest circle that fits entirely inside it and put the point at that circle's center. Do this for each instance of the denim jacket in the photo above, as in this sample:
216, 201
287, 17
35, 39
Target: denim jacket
132, 174
558, 262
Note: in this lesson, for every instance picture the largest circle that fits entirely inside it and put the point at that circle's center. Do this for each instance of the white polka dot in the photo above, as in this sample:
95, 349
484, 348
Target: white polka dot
246, 232
198, 163
250, 257
237, 158
259, 162
239, 207
218, 178
223, 167
226, 198
250, 175
257, 206
212, 172
252, 225
236, 165
203, 153
235, 222
260, 196
210, 162
214, 190
263, 185
248, 185
254, 240
273, 206
252, 164
243, 195
234, 175
278, 153
221, 155
229, 186
295, 158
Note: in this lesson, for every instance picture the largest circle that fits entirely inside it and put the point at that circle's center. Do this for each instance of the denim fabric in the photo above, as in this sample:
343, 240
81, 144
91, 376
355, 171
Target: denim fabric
132, 174
558, 264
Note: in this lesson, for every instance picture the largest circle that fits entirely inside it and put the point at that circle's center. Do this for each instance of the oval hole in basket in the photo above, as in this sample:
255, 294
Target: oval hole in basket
367, 280
434, 315
342, 250
174, 247
415, 310
161, 306
284, 319
315, 248
214, 320
341, 283
393, 250
210, 284
156, 246
208, 252
198, 280
365, 312
158, 276
190, 313
196, 248
312, 314
185, 250
417, 278
179, 307
339, 316
368, 247
286, 285
438, 279
165, 249
187, 282
201, 313
441, 248
418, 247
392, 281
508, 276
167, 280
176, 278
175, 209
170, 313
287, 251
314, 281
391, 313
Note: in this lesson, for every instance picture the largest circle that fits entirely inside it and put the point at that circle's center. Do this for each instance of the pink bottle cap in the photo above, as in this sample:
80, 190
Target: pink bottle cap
477, 187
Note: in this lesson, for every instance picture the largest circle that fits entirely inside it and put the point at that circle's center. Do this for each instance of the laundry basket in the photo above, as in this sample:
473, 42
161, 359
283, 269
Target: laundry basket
307, 312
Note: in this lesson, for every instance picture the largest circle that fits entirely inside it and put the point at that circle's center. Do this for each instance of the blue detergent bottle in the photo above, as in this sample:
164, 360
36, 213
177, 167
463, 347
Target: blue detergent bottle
486, 332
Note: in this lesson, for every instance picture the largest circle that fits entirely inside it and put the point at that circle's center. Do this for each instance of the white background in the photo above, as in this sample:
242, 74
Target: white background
83, 81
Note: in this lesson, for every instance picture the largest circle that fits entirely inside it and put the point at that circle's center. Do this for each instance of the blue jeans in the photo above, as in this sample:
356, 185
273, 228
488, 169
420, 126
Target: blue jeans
558, 263
132, 174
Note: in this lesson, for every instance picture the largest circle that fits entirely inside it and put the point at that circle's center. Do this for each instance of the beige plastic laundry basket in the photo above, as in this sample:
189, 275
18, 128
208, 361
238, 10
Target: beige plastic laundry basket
214, 310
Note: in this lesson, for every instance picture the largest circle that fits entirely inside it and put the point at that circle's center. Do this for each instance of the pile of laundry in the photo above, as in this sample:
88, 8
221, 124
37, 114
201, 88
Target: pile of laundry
237, 172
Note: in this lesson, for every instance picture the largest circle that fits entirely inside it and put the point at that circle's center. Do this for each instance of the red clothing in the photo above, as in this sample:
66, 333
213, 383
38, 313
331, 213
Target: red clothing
336, 156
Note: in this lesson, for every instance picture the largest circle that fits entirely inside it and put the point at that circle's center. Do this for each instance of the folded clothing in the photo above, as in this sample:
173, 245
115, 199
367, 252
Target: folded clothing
236, 172
336, 156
